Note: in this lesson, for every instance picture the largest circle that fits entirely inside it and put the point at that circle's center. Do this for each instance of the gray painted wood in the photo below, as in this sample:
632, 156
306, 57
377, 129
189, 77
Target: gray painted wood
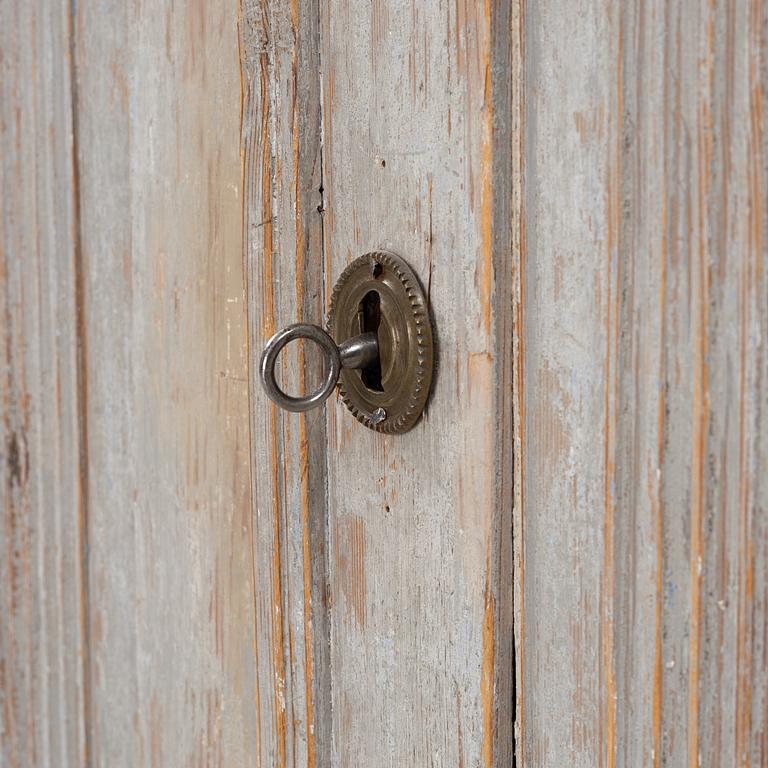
283, 256
288, 282
566, 558
43, 681
172, 628
416, 160
641, 398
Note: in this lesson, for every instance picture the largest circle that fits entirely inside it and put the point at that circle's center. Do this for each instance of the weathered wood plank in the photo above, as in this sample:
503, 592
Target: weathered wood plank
642, 386
567, 330
415, 123
172, 628
43, 683
582, 188
283, 247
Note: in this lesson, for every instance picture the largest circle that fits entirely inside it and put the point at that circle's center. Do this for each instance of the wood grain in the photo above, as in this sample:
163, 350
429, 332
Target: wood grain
641, 402
416, 160
171, 576
283, 248
566, 559
43, 681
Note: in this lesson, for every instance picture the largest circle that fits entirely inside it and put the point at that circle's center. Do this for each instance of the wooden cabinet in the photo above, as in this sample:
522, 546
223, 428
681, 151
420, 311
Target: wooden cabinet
565, 563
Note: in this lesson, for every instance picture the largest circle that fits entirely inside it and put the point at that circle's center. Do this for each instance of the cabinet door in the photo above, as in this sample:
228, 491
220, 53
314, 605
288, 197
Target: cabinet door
384, 561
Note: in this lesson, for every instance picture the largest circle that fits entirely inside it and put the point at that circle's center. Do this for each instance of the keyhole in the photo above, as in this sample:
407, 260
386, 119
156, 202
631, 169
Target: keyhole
370, 319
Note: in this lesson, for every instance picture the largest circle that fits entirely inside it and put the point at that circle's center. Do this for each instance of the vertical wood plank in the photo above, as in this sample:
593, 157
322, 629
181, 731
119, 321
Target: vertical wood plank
172, 627
642, 392
43, 683
283, 247
416, 160
568, 329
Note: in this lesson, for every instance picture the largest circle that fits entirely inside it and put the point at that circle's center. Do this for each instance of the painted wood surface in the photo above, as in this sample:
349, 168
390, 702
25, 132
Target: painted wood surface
172, 624
416, 160
127, 537
565, 559
283, 198
641, 386
404, 634
43, 637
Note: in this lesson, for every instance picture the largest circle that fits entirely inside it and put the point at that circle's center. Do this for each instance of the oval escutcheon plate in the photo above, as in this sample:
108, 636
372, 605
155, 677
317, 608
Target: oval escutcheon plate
379, 293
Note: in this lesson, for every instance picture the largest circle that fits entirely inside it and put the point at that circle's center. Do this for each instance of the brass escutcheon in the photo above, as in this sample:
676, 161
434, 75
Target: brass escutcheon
378, 346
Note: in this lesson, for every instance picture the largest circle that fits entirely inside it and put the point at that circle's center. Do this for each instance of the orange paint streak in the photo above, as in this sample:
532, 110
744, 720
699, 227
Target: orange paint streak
303, 441
268, 308
241, 60
307, 563
658, 613
745, 629
744, 594
278, 652
357, 574
697, 544
488, 666
268, 321
700, 412
608, 581
486, 180
519, 406
607, 596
